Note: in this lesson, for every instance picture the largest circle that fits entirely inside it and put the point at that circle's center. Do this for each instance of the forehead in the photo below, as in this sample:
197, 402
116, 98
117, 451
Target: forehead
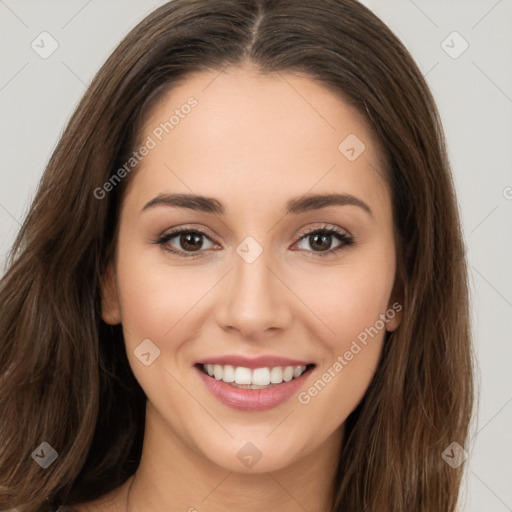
240, 131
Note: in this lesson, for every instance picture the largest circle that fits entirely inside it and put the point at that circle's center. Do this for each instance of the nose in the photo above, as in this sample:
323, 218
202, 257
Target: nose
255, 301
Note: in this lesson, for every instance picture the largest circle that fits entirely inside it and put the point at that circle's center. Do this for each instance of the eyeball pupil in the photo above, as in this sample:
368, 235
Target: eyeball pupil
319, 238
191, 241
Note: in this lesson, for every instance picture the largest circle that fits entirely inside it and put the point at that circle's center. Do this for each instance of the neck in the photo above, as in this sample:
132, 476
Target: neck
172, 477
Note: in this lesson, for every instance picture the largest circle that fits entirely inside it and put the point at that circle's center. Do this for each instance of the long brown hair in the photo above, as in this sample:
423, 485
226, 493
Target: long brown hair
64, 375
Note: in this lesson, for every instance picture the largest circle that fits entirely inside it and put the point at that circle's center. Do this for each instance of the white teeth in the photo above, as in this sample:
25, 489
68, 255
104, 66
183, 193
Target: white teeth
241, 376
261, 376
217, 371
288, 373
228, 373
298, 371
276, 375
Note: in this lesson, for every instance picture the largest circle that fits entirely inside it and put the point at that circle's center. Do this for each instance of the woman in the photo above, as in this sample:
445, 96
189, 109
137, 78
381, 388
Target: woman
241, 284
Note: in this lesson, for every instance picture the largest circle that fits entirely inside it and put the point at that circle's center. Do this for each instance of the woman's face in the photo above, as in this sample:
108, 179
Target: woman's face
257, 276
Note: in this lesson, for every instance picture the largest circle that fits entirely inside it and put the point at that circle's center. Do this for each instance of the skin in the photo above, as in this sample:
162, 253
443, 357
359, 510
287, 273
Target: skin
253, 142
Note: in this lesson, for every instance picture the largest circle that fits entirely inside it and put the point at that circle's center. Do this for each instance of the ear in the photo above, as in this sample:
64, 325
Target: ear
395, 306
110, 311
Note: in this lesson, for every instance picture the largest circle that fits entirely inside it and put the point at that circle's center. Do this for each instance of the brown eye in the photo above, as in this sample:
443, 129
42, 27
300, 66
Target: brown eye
185, 242
321, 241
191, 241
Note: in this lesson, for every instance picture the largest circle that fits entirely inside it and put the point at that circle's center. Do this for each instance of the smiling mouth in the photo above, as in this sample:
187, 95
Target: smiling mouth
256, 378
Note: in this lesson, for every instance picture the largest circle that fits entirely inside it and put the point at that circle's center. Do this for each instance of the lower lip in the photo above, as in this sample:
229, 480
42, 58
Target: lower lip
252, 399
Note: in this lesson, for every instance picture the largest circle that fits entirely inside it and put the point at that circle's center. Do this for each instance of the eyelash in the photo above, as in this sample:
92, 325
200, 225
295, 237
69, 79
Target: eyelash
345, 240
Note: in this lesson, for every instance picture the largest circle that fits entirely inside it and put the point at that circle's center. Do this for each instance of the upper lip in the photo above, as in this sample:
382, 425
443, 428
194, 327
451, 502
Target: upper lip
254, 362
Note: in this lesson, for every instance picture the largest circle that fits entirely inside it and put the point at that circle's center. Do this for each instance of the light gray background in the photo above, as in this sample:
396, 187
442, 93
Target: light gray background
474, 95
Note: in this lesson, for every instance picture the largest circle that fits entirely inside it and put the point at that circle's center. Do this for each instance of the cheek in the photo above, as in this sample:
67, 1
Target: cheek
146, 303
353, 301
353, 309
154, 298
350, 298
161, 302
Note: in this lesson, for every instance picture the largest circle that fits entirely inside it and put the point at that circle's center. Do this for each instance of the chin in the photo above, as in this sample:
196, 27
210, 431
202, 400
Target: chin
254, 454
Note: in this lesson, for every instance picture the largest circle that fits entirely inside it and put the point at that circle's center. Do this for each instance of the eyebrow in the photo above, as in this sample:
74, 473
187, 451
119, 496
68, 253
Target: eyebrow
294, 206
